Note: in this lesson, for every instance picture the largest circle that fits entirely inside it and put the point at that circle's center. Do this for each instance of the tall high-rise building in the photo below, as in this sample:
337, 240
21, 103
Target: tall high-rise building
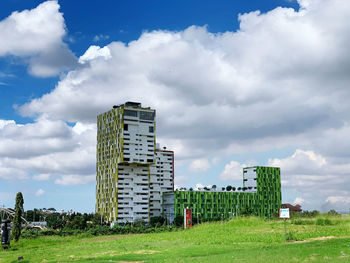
131, 173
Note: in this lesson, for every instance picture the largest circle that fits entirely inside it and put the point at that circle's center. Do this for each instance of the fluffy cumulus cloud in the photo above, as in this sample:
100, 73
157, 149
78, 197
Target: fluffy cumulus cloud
39, 192
233, 171
280, 81
281, 77
200, 165
298, 201
47, 149
36, 35
315, 178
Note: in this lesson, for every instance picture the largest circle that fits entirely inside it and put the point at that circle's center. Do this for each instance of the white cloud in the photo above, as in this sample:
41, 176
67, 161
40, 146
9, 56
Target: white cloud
340, 203
42, 177
233, 171
47, 149
40, 192
3, 123
314, 178
95, 52
79, 127
200, 165
36, 35
100, 37
199, 186
221, 92
298, 200
306, 161
75, 179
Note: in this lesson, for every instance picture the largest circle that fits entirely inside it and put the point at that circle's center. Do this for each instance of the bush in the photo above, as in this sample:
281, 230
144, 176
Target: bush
332, 212
323, 222
157, 221
179, 220
30, 233
302, 222
291, 236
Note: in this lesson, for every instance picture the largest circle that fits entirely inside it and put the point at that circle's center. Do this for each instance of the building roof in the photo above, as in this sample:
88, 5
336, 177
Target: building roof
295, 208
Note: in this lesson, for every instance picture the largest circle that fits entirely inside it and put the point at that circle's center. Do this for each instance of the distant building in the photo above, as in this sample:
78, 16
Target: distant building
131, 173
135, 178
262, 197
292, 208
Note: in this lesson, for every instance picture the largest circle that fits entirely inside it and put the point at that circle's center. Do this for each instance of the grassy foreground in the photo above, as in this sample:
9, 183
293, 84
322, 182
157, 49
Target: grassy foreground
239, 240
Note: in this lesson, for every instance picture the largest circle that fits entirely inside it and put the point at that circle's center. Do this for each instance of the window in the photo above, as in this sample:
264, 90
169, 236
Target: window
151, 129
131, 113
144, 115
125, 127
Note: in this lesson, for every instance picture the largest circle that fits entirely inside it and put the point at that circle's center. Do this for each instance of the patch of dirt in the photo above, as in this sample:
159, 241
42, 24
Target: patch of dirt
146, 252
106, 238
315, 239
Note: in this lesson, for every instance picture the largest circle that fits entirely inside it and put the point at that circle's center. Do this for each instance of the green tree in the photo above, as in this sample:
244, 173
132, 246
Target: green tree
17, 219
55, 221
78, 222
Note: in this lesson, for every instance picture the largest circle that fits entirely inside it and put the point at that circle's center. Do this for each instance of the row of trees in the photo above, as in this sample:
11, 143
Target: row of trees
214, 187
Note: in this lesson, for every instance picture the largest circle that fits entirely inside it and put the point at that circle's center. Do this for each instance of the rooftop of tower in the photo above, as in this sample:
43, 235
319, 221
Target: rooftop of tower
129, 104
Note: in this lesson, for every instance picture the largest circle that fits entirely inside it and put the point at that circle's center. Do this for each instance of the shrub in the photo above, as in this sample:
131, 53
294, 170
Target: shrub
302, 222
323, 222
157, 221
291, 236
179, 220
332, 212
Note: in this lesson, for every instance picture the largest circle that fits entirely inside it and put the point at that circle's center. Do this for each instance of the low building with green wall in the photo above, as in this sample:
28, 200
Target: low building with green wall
261, 197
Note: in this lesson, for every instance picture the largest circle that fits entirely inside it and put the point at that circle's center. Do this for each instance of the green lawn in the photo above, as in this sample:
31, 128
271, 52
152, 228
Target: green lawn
242, 240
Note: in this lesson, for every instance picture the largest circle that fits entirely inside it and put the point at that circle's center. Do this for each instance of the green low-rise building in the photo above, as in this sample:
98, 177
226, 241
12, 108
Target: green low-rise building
260, 196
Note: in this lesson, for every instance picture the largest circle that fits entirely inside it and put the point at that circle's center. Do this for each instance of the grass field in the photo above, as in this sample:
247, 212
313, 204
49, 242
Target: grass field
239, 240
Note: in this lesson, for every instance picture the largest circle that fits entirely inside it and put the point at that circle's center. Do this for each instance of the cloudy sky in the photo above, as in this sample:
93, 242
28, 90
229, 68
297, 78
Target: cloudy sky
234, 83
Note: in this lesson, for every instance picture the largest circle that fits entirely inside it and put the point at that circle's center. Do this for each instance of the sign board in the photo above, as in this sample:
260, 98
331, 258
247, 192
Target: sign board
187, 218
284, 212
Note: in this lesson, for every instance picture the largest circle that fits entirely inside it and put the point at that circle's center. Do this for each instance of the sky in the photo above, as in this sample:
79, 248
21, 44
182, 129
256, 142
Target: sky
234, 83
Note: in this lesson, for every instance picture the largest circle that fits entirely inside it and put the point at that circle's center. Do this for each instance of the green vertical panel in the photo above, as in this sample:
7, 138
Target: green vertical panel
265, 202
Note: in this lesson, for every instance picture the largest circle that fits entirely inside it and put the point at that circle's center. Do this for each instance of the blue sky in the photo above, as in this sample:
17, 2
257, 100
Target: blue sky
234, 83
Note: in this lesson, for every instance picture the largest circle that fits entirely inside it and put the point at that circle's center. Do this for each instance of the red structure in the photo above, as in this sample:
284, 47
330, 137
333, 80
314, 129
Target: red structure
188, 218
292, 208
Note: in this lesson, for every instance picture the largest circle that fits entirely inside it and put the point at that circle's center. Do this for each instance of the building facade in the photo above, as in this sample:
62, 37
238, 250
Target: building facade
131, 173
261, 197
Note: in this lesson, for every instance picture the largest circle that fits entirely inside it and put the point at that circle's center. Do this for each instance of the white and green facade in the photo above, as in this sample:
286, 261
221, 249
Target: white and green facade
260, 196
131, 173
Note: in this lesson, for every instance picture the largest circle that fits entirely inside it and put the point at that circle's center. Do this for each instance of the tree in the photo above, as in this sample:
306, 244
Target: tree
214, 187
17, 219
332, 212
228, 188
77, 222
233, 188
55, 221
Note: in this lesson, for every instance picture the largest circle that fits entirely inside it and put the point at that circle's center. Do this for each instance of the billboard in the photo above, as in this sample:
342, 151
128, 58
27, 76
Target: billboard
284, 213
187, 218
